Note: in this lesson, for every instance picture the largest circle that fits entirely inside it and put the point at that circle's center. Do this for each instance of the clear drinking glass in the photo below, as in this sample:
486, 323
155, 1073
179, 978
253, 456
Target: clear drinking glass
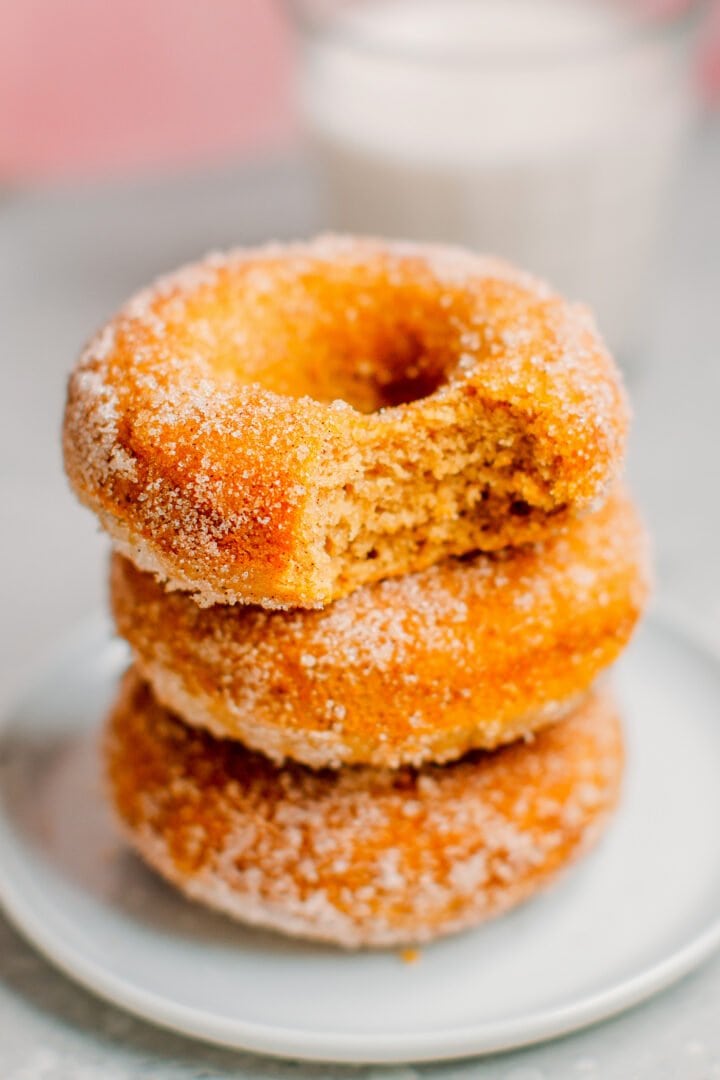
546, 131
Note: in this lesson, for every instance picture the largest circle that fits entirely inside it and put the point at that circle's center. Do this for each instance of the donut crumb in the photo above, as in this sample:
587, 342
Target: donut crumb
410, 956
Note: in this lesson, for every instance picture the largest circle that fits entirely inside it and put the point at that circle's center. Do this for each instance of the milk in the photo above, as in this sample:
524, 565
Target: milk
542, 130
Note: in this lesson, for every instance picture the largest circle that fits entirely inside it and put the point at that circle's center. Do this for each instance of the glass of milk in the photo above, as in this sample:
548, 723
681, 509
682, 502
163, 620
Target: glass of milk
546, 131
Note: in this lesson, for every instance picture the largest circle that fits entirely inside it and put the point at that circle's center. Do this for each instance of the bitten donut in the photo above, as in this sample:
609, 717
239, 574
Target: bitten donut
280, 426
359, 856
468, 653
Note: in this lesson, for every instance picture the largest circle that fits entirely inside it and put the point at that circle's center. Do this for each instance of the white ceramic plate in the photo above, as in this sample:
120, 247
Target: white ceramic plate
638, 914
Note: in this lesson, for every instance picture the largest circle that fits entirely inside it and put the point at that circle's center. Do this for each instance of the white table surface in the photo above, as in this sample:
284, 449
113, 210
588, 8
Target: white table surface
67, 258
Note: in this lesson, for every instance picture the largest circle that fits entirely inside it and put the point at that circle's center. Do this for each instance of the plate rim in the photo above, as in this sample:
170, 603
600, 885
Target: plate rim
340, 1047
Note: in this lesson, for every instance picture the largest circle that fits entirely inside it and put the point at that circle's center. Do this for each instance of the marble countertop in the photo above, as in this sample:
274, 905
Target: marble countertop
66, 259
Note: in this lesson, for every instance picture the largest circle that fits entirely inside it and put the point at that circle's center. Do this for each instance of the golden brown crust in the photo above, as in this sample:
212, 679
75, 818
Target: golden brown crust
232, 471
359, 856
469, 653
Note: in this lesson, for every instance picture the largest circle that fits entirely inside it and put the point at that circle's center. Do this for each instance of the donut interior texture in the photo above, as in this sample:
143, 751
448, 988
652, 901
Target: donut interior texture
281, 426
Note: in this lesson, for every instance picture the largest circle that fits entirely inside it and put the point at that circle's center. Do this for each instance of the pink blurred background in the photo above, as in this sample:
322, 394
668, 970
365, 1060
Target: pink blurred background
90, 89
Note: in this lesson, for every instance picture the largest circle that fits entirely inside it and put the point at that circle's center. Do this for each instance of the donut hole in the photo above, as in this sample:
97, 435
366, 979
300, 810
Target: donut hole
413, 386
367, 371
374, 342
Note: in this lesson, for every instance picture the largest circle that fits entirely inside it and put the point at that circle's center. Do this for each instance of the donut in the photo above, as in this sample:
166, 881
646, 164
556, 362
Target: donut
468, 653
280, 426
359, 856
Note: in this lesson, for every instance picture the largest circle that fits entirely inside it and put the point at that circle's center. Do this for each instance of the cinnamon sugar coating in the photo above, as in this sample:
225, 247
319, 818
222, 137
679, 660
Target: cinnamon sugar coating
281, 426
468, 653
359, 856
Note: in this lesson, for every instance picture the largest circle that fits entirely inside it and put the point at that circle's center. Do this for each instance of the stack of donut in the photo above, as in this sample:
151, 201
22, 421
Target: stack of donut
372, 558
